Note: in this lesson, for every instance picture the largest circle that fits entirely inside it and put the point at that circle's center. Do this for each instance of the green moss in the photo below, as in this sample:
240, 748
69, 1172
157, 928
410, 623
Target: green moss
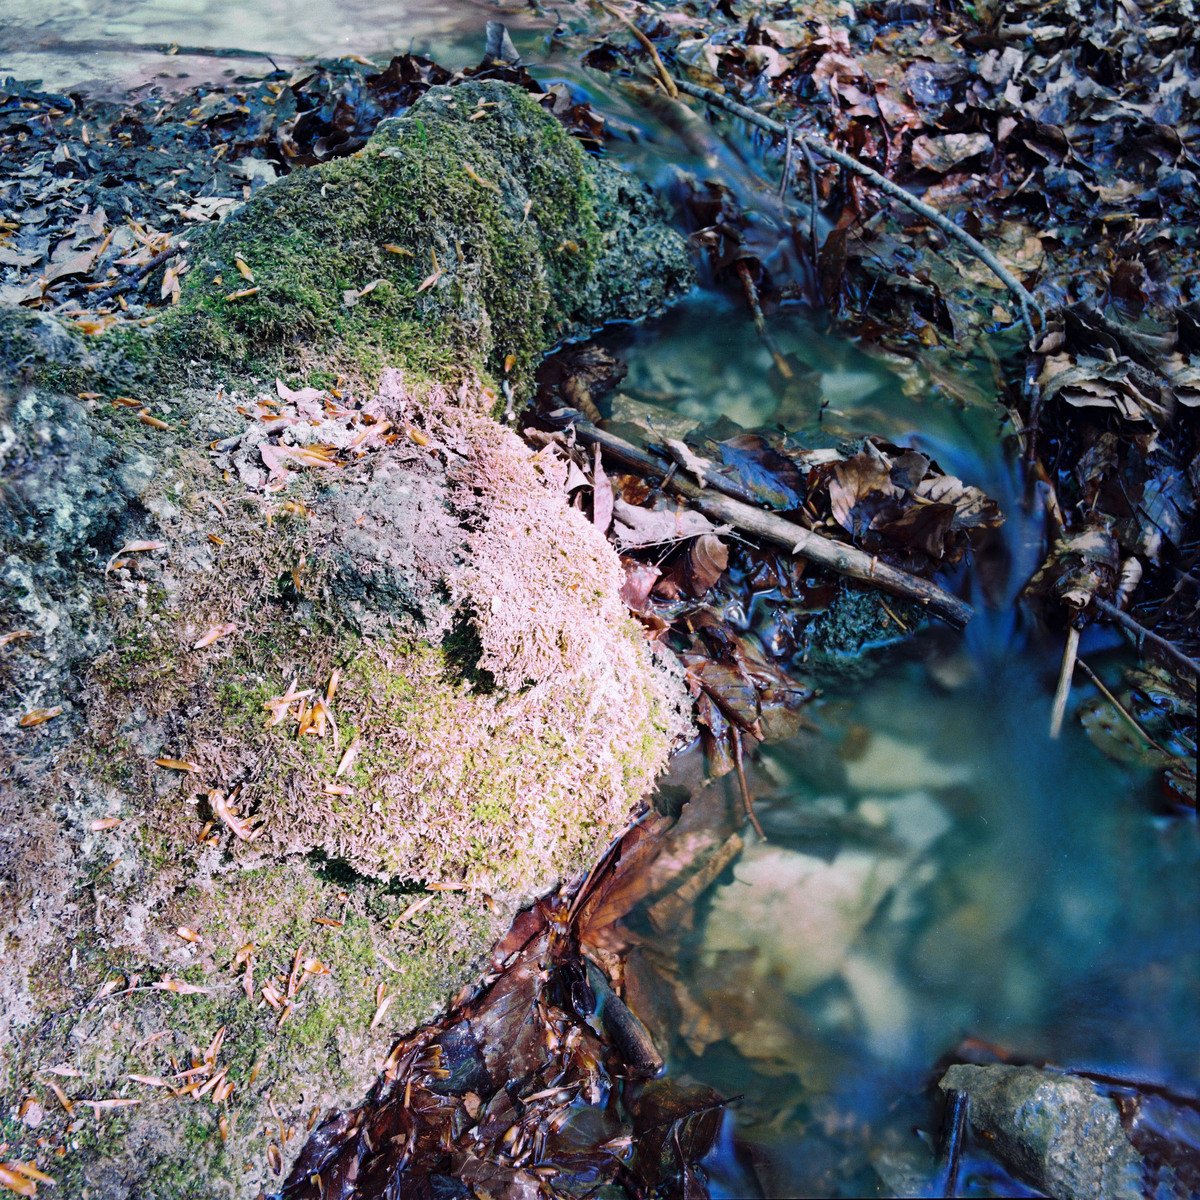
499, 212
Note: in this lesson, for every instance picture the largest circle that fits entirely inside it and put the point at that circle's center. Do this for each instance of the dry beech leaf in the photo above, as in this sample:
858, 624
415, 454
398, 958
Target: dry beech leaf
180, 987
39, 716
176, 764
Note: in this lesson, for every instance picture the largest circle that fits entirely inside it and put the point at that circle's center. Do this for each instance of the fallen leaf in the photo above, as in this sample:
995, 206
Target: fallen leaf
381, 1010
215, 634
180, 988
943, 153
16, 1183
138, 547
602, 495
220, 805
175, 764
39, 716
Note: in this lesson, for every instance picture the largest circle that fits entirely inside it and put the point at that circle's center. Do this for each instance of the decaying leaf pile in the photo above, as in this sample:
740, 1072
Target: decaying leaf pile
541, 1084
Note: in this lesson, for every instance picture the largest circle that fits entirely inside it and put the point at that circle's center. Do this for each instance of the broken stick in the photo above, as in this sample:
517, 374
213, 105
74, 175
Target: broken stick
825, 552
1142, 634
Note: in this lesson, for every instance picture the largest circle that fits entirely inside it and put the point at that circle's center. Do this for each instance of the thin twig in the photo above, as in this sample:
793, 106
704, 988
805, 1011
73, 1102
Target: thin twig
1121, 708
1063, 691
819, 146
786, 181
760, 321
743, 786
1135, 627
664, 75
769, 527
957, 1127
811, 166
127, 281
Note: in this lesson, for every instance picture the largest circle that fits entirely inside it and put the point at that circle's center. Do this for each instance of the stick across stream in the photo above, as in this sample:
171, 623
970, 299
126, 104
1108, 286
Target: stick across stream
836, 556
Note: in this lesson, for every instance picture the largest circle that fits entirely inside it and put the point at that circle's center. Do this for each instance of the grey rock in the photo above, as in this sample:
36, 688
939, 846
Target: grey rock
1055, 1131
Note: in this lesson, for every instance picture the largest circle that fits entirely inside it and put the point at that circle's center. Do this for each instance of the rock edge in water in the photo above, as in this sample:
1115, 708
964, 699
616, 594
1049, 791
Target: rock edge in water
470, 706
1055, 1131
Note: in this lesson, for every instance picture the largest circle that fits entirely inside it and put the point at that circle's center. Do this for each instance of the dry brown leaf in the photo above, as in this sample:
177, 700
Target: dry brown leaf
220, 805
180, 987
39, 716
12, 1181
176, 764
138, 547
215, 634
68, 1105
381, 1010
415, 907
99, 1106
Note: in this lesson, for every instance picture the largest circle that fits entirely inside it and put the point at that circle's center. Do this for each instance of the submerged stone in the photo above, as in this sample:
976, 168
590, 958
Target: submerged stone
1055, 1131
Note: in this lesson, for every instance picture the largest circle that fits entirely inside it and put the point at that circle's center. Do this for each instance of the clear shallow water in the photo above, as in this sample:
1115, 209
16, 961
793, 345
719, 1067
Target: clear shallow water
107, 46
936, 866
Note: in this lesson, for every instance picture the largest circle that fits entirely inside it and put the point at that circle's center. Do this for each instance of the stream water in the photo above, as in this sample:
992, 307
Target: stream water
936, 867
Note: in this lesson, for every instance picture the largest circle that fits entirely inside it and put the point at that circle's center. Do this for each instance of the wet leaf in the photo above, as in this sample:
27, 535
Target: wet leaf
675, 1126
707, 558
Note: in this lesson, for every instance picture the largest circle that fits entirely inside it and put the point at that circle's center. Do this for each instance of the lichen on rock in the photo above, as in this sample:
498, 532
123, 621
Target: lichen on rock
1055, 1130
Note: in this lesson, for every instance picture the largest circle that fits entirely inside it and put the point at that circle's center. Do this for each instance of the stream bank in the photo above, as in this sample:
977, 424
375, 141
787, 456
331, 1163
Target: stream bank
745, 664
289, 656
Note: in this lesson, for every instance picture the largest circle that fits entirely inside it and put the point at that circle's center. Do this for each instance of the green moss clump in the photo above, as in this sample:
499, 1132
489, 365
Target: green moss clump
498, 211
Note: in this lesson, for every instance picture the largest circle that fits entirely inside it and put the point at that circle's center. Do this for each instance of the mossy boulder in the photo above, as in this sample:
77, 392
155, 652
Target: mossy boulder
340, 678
470, 233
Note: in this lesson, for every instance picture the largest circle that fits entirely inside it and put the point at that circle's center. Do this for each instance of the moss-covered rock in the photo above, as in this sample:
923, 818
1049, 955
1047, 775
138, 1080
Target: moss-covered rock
470, 233
343, 680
